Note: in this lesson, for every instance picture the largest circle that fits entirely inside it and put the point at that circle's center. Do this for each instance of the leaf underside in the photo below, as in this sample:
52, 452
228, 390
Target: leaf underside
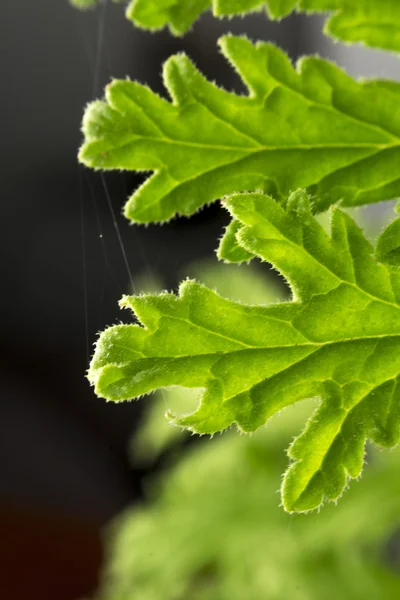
312, 127
338, 339
375, 24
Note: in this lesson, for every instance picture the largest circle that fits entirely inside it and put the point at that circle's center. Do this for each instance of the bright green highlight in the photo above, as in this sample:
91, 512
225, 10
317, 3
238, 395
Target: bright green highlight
312, 127
375, 24
338, 339
84, 4
211, 529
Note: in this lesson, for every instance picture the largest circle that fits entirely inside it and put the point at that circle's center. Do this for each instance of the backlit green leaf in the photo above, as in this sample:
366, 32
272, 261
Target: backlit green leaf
374, 23
388, 244
338, 339
244, 284
229, 248
314, 127
179, 15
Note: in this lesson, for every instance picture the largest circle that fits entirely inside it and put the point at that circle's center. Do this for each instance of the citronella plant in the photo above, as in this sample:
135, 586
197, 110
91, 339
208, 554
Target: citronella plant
305, 139
210, 527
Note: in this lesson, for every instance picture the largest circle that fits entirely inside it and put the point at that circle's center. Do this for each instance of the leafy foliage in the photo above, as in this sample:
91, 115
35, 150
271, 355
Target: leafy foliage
339, 339
211, 529
372, 23
314, 127
244, 284
309, 127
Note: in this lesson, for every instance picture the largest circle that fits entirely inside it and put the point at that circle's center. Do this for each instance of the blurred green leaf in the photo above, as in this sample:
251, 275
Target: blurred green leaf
211, 529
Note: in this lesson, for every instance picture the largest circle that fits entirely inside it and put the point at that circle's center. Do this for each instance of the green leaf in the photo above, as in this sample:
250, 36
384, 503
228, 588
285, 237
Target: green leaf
179, 15
229, 248
388, 244
375, 24
244, 284
338, 339
314, 127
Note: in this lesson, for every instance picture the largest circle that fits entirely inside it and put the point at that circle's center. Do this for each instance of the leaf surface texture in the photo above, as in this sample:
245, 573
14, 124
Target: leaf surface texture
338, 339
375, 24
312, 127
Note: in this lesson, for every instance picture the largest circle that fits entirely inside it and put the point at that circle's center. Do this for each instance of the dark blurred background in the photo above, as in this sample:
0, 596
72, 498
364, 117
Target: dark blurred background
63, 453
